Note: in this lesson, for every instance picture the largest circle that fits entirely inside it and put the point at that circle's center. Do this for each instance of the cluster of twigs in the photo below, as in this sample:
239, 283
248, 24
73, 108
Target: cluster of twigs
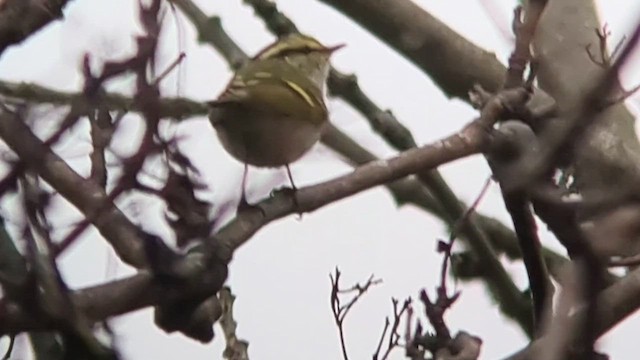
35, 293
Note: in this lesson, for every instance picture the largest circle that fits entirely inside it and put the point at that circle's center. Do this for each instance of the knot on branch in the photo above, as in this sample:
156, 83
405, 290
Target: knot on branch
191, 317
189, 304
510, 142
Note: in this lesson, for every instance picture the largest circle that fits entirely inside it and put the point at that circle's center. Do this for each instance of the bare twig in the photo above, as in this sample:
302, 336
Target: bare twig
341, 311
236, 348
393, 340
168, 107
447, 248
524, 31
376, 354
169, 69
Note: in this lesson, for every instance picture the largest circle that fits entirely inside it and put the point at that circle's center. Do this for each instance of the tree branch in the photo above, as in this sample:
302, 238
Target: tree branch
84, 194
168, 107
20, 19
454, 63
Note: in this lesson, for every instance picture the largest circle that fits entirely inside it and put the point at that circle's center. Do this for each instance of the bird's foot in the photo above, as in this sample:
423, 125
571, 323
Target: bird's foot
291, 193
244, 206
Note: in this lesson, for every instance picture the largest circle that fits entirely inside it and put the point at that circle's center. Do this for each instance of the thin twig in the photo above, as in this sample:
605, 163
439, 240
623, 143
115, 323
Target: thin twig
168, 70
340, 311
570, 131
236, 349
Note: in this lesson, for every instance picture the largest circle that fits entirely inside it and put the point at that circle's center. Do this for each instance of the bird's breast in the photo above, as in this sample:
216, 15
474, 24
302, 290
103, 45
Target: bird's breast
268, 141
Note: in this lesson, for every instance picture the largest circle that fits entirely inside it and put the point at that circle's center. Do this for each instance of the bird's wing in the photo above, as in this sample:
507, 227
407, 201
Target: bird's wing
263, 93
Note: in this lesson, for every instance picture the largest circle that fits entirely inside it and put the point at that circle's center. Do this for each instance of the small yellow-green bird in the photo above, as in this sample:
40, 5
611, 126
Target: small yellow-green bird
273, 110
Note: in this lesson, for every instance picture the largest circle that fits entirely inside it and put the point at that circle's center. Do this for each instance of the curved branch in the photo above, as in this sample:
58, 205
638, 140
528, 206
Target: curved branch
452, 61
168, 107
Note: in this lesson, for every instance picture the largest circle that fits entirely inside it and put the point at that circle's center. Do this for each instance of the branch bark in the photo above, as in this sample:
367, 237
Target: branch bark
613, 305
19, 19
568, 73
84, 194
454, 63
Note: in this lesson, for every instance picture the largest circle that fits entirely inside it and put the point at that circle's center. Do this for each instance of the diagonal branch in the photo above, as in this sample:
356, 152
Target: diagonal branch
19, 19
454, 63
84, 194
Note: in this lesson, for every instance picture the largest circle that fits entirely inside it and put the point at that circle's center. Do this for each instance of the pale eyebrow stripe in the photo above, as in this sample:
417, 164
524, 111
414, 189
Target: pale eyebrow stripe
300, 91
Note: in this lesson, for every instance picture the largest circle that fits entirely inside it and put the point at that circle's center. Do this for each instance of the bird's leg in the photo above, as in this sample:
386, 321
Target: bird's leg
294, 191
289, 191
244, 205
293, 185
243, 194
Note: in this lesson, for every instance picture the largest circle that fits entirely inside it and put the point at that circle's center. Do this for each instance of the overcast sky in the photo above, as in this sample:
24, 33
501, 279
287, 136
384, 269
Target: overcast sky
281, 276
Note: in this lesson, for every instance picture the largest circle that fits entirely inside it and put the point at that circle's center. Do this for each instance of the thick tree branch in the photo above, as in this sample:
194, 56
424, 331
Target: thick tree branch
454, 63
513, 140
168, 107
588, 122
523, 140
405, 191
613, 305
399, 137
19, 19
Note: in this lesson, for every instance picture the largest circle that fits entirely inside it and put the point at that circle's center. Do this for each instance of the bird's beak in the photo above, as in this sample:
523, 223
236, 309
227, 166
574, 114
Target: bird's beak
332, 49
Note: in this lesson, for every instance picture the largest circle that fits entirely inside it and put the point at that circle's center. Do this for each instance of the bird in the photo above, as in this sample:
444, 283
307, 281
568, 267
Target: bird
273, 109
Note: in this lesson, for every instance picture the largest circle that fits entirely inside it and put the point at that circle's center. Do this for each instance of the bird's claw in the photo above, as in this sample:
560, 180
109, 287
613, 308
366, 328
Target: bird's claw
290, 192
244, 205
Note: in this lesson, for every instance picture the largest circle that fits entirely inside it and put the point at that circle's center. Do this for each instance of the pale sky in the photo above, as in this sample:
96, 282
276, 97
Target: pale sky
280, 277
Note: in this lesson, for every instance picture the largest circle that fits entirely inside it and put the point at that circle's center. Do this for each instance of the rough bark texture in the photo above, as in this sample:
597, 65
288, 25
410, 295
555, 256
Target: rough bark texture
20, 19
608, 156
454, 63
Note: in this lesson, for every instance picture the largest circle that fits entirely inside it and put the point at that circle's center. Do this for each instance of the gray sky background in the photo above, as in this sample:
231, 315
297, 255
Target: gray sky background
281, 276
